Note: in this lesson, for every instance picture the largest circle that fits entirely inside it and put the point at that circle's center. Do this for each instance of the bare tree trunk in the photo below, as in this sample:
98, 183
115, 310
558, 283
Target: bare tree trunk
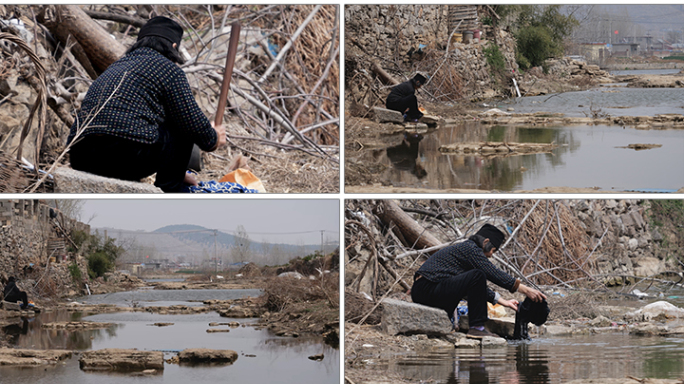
99, 47
386, 77
48, 17
412, 234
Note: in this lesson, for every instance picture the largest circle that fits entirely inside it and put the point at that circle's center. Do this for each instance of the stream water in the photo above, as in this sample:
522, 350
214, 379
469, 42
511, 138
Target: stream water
611, 99
587, 156
262, 356
546, 360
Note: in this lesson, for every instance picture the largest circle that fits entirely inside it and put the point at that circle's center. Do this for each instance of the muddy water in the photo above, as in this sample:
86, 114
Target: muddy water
546, 360
586, 157
615, 101
262, 356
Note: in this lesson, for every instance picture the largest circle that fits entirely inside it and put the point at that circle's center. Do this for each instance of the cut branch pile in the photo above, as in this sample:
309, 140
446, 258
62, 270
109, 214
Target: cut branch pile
546, 244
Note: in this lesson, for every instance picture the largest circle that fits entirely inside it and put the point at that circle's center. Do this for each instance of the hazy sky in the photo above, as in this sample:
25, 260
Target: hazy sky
276, 221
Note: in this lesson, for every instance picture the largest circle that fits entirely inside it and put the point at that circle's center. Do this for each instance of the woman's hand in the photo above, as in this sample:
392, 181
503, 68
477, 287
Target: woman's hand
220, 135
512, 304
532, 293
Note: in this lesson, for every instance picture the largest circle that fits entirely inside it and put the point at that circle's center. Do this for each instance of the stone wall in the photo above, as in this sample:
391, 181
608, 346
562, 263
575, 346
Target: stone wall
630, 246
386, 33
28, 237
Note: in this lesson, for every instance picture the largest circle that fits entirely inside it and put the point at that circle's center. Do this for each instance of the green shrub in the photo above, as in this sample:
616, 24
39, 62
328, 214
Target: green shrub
536, 45
75, 272
522, 61
495, 58
98, 265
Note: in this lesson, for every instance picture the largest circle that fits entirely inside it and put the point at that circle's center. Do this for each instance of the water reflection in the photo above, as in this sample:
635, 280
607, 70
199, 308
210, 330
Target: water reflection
586, 156
547, 361
29, 332
404, 155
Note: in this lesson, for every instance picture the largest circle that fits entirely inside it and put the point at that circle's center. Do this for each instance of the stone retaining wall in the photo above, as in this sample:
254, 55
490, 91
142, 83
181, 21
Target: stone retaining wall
630, 245
27, 235
388, 32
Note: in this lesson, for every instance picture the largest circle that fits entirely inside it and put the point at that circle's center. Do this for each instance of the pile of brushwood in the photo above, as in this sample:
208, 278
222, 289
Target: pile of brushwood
305, 304
283, 103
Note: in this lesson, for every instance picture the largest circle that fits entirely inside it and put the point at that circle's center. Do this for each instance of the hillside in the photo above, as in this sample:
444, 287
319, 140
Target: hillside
195, 243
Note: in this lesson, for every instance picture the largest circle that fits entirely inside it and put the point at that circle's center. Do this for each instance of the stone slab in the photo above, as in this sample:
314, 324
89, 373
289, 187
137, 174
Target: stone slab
114, 359
203, 356
383, 115
430, 120
31, 357
7, 306
68, 180
410, 318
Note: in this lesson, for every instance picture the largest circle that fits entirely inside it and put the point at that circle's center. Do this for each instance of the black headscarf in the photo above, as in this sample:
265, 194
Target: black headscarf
492, 233
163, 27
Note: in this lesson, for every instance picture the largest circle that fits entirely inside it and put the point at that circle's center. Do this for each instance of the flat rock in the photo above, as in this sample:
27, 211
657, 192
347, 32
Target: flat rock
503, 326
203, 355
557, 330
217, 330
114, 359
493, 342
383, 115
32, 357
467, 343
430, 120
7, 306
410, 318
68, 180
80, 325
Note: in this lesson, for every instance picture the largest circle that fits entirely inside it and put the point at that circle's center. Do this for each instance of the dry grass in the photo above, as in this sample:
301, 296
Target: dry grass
282, 292
560, 249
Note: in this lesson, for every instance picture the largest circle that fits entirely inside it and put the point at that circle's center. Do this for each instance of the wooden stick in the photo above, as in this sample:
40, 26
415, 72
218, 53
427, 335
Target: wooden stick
228, 72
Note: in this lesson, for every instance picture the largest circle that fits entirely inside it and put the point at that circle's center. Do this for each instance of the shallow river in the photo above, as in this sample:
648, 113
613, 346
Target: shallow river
611, 99
587, 156
546, 360
262, 356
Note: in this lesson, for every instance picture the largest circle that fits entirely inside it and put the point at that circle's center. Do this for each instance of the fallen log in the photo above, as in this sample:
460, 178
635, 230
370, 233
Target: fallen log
99, 47
384, 76
412, 234
491, 148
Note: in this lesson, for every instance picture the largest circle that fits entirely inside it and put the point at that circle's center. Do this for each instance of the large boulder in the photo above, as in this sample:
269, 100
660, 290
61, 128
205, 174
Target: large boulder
114, 359
203, 356
68, 180
410, 318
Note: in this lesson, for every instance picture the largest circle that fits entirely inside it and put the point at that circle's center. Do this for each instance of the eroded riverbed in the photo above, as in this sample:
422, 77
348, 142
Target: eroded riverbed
261, 355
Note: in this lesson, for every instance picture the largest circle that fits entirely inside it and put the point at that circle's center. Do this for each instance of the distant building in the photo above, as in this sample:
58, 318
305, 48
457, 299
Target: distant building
594, 52
624, 50
645, 42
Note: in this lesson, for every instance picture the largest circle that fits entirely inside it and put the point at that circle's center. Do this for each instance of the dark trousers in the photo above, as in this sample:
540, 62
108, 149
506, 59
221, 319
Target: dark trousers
409, 102
447, 293
15, 297
124, 159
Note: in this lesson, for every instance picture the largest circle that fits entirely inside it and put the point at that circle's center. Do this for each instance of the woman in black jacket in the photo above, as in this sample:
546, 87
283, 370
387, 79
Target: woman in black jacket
140, 117
12, 294
463, 269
